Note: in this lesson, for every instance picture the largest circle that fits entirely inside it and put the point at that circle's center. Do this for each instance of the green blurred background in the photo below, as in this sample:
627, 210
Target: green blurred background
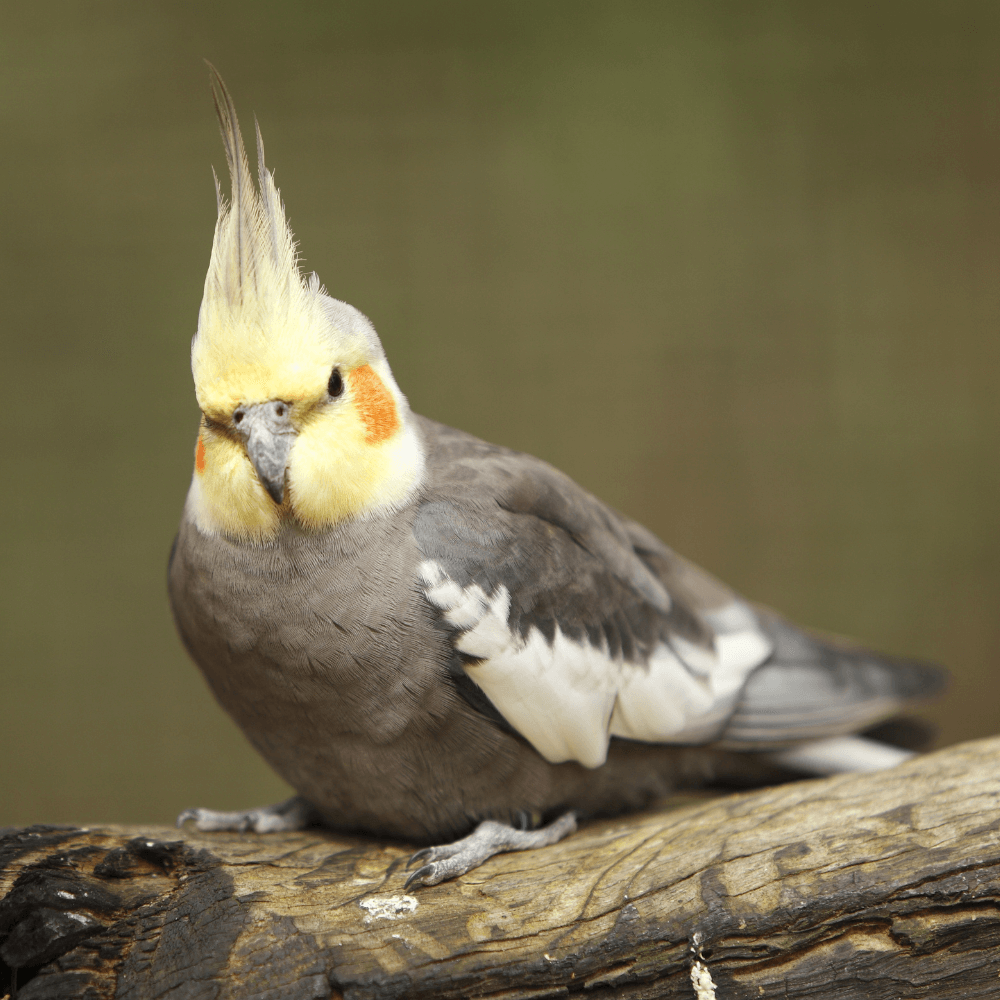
732, 266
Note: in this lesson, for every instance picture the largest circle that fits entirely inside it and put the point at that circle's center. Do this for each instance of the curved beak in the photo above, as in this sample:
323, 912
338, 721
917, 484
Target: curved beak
268, 434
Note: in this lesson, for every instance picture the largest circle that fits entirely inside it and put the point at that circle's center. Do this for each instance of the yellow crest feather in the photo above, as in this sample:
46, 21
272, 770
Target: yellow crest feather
258, 316
266, 333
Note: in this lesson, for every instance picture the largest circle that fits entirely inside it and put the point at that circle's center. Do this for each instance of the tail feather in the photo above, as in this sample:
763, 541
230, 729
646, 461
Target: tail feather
814, 688
840, 754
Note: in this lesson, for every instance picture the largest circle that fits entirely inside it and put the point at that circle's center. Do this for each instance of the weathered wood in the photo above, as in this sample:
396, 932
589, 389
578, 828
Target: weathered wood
884, 885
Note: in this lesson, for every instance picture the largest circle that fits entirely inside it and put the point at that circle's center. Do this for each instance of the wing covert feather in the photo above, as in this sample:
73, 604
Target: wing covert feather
577, 623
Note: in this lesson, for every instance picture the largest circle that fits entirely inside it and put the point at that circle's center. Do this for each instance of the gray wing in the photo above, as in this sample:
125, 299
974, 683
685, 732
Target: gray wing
579, 625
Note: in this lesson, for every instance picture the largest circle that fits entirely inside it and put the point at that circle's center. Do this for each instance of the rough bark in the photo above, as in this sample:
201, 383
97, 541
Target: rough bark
883, 885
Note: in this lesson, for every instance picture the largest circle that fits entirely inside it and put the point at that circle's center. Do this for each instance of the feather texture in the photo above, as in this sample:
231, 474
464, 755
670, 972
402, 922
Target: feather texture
259, 318
254, 257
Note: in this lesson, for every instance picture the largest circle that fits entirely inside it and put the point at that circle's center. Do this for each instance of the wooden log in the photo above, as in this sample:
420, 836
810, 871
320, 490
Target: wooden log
868, 886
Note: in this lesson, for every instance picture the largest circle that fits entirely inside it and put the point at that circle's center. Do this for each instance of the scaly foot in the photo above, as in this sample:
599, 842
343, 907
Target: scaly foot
295, 814
489, 838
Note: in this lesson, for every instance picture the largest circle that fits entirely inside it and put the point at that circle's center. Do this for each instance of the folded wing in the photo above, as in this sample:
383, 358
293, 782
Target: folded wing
572, 624
576, 624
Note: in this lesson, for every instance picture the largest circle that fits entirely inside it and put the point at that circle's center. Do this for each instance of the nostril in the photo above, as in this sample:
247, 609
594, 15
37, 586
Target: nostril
280, 409
238, 417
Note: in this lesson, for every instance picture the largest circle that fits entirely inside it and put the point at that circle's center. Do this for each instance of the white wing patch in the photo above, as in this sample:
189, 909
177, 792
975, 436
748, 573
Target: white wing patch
568, 698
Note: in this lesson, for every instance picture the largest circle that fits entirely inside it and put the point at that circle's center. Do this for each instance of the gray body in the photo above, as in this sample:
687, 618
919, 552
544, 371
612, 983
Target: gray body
325, 649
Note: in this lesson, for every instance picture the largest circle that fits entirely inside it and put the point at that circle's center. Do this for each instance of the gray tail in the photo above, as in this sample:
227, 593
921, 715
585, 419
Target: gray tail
817, 688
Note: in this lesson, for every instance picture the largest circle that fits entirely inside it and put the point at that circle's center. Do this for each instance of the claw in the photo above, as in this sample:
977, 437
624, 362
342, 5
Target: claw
424, 852
185, 816
427, 872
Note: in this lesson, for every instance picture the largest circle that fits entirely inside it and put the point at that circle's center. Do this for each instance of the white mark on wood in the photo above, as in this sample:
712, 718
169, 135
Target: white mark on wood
701, 980
387, 907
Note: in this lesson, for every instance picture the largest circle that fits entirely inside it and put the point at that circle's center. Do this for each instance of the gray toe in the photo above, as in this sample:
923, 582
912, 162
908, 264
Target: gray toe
292, 814
451, 860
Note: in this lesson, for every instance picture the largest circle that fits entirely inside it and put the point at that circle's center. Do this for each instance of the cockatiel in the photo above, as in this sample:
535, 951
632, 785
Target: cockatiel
428, 635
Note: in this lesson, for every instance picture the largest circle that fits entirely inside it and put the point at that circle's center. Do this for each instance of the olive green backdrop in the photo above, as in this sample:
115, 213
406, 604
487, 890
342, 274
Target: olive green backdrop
732, 266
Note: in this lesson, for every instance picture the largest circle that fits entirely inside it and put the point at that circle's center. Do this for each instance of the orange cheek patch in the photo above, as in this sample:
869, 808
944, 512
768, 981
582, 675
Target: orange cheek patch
199, 455
375, 405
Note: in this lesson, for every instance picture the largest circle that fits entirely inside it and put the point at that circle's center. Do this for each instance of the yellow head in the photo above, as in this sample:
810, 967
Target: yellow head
301, 418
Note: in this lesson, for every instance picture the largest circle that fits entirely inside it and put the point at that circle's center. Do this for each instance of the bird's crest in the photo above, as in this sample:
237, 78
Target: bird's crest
256, 302
268, 335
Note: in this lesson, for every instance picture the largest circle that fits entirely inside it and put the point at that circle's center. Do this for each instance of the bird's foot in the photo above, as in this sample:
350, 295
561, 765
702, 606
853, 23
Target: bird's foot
489, 838
294, 814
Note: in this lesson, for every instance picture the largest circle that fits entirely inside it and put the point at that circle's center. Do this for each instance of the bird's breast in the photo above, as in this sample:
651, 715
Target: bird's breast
315, 626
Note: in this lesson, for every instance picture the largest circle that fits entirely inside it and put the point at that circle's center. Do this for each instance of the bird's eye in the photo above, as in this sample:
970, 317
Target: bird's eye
336, 384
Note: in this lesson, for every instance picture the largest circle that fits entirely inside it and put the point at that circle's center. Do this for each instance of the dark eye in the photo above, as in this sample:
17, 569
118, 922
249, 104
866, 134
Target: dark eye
336, 384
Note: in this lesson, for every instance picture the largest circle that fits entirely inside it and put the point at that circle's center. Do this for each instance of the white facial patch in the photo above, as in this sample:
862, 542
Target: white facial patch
568, 697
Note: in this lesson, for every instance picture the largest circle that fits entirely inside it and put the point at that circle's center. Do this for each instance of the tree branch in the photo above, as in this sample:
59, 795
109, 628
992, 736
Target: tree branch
881, 885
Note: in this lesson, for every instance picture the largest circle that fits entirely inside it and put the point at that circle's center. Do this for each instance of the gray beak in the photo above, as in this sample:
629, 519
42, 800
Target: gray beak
267, 432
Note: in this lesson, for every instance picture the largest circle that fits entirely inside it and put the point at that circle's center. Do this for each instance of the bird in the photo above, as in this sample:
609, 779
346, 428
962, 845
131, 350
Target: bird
445, 641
